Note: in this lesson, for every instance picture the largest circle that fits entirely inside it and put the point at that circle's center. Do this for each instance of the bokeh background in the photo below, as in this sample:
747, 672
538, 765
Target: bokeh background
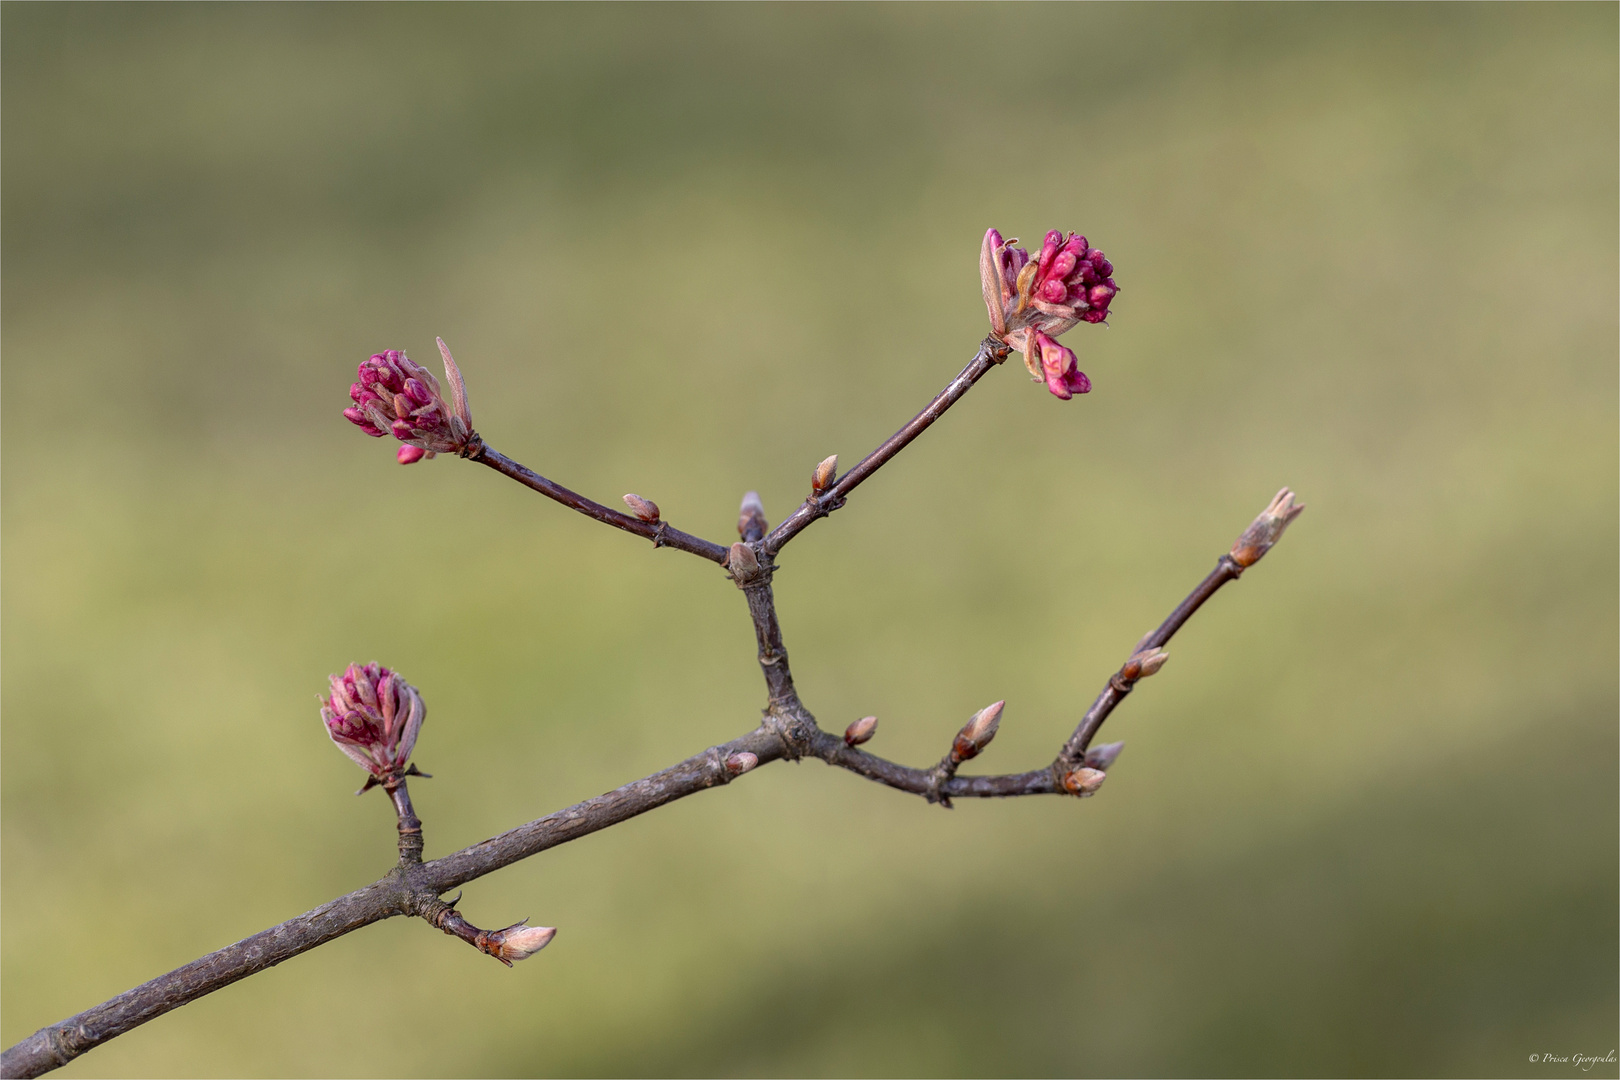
1366, 819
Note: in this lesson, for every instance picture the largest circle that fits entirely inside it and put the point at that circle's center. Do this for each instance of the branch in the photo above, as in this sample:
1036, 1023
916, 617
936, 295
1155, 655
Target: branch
991, 353
661, 534
788, 730
406, 890
1070, 772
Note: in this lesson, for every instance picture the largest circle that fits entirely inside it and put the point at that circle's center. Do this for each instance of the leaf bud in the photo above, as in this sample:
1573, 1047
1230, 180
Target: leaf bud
1084, 781
976, 733
645, 509
751, 524
1101, 757
860, 731
822, 478
739, 763
518, 941
1266, 529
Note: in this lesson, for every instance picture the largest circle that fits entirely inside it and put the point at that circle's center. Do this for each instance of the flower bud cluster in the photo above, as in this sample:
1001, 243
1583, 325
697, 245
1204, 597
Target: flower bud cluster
1032, 302
395, 395
374, 716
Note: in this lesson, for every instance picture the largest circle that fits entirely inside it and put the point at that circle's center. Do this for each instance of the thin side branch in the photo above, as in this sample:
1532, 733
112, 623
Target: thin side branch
660, 533
991, 353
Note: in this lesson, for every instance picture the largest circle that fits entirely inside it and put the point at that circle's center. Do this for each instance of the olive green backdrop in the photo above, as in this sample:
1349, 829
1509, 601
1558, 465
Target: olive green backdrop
1365, 822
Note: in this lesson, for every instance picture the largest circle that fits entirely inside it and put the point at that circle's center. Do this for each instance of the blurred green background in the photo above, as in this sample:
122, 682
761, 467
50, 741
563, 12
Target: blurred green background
1366, 820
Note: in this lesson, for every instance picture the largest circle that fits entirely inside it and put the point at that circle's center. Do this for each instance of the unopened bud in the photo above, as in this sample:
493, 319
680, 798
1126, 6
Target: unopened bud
977, 733
518, 941
860, 731
1266, 529
822, 478
739, 763
742, 561
397, 395
1084, 781
374, 717
1100, 757
645, 509
751, 524
1143, 664
410, 455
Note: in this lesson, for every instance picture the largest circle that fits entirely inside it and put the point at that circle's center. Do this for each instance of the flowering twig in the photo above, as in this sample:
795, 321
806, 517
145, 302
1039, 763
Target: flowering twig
375, 717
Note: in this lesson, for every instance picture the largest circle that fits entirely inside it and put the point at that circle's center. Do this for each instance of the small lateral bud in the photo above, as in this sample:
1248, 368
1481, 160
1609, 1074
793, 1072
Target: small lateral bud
742, 560
1143, 664
977, 733
1266, 529
518, 941
822, 478
860, 731
645, 509
1101, 757
739, 763
1084, 781
751, 524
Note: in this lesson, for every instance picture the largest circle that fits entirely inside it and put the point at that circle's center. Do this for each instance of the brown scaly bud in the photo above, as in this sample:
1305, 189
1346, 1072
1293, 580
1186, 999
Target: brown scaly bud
517, 942
1145, 663
739, 763
751, 524
645, 509
1084, 781
742, 562
822, 478
860, 731
976, 733
1266, 529
1101, 757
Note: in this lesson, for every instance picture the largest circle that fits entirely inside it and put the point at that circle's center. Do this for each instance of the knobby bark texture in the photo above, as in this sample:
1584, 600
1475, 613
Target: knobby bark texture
787, 730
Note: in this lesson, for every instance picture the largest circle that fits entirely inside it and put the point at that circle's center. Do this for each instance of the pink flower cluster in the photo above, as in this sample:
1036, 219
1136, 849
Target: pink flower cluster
396, 395
374, 716
1032, 302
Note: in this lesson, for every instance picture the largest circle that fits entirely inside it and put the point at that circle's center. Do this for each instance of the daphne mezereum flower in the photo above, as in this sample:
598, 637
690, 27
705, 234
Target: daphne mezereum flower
374, 716
1068, 283
394, 395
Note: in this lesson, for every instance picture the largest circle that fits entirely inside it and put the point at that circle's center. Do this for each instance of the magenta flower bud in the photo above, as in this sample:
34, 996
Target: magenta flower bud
410, 455
394, 394
1066, 284
374, 716
1058, 368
